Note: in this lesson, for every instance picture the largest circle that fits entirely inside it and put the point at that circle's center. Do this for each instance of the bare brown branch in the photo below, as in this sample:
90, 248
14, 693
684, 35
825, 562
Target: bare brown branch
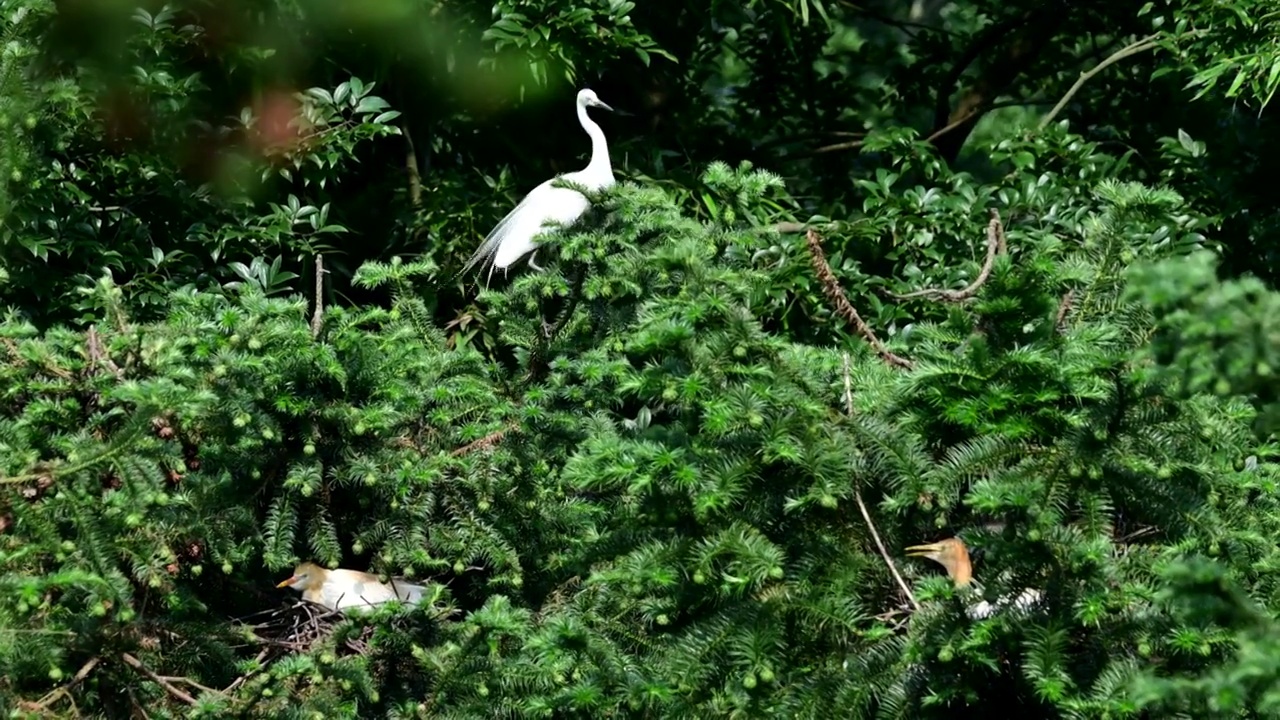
168, 687
862, 506
1133, 48
98, 354
317, 318
44, 703
841, 305
1021, 43
996, 245
1064, 310
855, 144
411, 166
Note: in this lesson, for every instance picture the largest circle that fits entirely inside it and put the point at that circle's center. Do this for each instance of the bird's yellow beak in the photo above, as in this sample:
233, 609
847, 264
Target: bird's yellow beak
287, 583
924, 550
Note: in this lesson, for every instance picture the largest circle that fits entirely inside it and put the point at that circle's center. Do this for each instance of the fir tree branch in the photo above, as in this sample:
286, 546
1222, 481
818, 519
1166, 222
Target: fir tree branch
996, 245
841, 305
173, 691
537, 358
119, 446
862, 506
487, 441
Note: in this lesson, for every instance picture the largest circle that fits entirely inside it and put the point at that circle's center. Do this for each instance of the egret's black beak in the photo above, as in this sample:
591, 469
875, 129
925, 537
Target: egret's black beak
602, 106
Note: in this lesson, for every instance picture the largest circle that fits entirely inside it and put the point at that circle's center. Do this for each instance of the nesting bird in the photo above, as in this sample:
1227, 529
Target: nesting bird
348, 590
954, 556
513, 238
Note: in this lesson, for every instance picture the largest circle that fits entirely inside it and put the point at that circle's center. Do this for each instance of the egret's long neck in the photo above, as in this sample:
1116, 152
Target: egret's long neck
599, 147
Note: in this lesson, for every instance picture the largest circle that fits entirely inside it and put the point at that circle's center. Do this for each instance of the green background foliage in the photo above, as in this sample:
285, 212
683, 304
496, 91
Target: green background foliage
874, 274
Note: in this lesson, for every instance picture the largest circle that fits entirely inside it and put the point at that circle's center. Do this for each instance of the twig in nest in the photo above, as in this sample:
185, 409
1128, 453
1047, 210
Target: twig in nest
831, 288
168, 687
1133, 48
862, 506
300, 626
487, 441
318, 315
996, 245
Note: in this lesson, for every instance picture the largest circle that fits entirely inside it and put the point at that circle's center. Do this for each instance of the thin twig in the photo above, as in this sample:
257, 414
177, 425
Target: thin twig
244, 678
136, 664
855, 144
996, 245
842, 306
318, 316
1133, 48
862, 506
44, 702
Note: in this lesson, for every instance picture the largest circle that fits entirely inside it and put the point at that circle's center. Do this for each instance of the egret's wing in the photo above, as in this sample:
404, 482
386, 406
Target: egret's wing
553, 204
491, 242
351, 589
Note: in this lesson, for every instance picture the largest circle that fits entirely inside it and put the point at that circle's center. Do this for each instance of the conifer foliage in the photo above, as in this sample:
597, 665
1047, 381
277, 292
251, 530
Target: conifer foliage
647, 503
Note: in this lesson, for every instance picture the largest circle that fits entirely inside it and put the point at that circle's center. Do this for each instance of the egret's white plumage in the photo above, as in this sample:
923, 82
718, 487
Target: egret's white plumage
349, 590
513, 238
954, 556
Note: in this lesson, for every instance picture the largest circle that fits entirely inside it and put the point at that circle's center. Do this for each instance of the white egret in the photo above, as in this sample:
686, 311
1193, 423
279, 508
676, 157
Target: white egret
348, 590
513, 238
954, 556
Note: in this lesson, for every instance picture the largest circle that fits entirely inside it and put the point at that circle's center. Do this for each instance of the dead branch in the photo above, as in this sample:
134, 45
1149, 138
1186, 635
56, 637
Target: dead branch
1133, 48
317, 317
1064, 309
168, 687
996, 245
855, 144
245, 677
65, 691
411, 166
862, 506
841, 305
487, 441
98, 354
1028, 37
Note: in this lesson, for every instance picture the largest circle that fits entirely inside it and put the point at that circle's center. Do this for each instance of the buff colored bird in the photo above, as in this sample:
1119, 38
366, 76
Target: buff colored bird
349, 590
954, 556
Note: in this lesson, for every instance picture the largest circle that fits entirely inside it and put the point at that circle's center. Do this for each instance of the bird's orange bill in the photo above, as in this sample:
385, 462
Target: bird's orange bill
923, 550
287, 583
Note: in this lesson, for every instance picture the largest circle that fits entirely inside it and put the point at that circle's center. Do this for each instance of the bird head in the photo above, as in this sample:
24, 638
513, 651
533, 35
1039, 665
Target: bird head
587, 99
950, 554
305, 577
